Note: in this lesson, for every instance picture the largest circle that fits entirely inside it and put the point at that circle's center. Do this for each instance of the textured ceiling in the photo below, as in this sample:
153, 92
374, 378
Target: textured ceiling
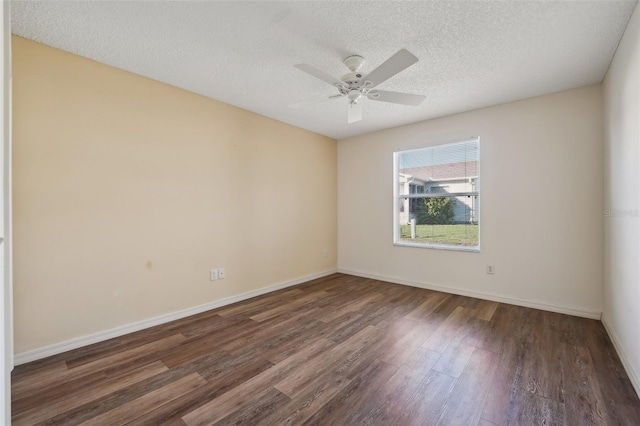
472, 54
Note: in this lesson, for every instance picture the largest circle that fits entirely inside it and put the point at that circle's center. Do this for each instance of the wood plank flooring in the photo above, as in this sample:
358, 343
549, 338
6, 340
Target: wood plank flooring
340, 350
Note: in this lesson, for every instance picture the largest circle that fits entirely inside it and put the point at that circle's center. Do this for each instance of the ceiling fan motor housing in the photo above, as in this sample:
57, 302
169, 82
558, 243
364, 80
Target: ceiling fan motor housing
354, 78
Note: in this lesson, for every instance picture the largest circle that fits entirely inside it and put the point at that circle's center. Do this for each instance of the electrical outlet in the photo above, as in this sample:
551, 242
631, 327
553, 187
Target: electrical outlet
325, 253
214, 275
490, 269
221, 273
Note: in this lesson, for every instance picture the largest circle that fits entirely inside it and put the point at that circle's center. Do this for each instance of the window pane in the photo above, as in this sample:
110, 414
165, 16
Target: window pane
454, 165
448, 213
439, 220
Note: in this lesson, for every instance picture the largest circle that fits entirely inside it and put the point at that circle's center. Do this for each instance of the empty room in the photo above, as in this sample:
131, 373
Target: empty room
320, 213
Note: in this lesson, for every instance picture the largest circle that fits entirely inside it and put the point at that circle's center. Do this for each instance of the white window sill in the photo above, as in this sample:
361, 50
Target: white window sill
437, 246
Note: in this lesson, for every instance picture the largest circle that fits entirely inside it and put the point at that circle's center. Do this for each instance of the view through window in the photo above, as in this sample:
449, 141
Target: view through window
437, 196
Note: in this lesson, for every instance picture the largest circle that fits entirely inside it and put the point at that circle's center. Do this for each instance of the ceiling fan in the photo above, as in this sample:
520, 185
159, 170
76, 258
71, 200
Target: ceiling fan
355, 86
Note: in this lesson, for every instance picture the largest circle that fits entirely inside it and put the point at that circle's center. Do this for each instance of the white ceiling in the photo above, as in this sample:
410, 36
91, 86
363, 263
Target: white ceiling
472, 54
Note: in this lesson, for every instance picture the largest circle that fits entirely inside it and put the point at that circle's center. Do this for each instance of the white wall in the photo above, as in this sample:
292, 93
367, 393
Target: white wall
622, 198
541, 204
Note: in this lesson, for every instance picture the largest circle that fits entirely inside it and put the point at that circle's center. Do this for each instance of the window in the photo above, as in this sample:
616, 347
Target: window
437, 196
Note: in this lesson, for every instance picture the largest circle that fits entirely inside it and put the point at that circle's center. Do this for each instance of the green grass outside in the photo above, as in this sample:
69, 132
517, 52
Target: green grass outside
455, 235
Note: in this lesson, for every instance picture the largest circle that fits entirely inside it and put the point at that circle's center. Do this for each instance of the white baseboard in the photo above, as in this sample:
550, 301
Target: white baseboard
78, 342
631, 372
486, 296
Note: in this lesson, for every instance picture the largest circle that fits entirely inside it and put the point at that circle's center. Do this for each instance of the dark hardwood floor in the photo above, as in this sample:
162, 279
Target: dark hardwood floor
340, 350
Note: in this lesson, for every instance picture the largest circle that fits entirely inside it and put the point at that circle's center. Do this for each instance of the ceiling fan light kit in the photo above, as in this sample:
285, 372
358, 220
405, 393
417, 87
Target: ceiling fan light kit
356, 86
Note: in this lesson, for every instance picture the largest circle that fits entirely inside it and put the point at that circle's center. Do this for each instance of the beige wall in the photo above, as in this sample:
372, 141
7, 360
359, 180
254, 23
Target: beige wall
128, 191
541, 204
622, 199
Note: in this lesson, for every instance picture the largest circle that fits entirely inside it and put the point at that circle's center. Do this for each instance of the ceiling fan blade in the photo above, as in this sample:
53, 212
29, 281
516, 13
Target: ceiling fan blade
392, 66
320, 75
314, 101
396, 97
354, 113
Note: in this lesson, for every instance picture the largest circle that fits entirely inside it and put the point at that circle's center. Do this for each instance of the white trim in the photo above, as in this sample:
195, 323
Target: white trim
471, 249
6, 291
440, 194
78, 342
396, 200
486, 296
456, 142
631, 372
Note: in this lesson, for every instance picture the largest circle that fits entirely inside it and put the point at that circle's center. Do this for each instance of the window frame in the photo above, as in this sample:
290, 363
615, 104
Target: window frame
398, 201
